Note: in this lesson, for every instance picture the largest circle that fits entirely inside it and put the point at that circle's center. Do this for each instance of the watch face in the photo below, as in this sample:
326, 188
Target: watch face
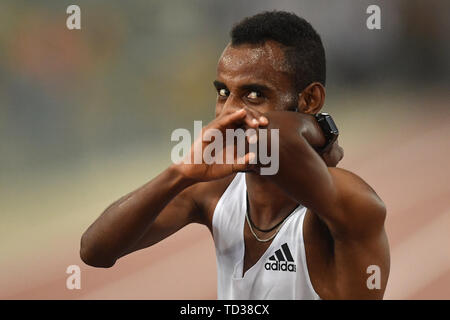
327, 124
331, 125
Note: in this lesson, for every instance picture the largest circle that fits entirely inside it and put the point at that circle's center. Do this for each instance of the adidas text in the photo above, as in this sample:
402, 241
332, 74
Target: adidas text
280, 266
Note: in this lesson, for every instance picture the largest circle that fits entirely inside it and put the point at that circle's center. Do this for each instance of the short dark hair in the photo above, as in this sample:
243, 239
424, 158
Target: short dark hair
302, 46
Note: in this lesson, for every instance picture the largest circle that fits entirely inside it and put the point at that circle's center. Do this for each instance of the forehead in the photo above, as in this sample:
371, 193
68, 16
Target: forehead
254, 62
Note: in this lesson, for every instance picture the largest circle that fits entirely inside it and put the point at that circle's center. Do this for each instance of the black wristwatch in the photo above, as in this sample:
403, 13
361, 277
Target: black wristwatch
329, 130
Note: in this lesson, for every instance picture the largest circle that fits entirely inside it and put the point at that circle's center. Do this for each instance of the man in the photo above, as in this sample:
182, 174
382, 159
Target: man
309, 231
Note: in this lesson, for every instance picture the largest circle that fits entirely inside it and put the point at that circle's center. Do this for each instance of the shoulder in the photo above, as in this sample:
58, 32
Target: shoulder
361, 212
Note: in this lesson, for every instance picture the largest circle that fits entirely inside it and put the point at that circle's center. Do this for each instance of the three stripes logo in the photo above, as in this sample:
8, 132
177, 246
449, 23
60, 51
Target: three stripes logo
280, 261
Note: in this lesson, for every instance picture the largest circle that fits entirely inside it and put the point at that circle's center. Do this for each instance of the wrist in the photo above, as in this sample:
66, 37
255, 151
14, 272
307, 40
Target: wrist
292, 123
311, 131
179, 177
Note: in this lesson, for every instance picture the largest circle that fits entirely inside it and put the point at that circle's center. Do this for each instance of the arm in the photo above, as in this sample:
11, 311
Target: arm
160, 207
350, 209
121, 226
348, 206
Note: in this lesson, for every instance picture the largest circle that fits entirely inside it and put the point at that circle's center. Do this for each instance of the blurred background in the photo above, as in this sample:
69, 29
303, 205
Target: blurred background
86, 116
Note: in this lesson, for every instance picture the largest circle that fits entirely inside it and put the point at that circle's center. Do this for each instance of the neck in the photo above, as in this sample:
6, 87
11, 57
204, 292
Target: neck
268, 203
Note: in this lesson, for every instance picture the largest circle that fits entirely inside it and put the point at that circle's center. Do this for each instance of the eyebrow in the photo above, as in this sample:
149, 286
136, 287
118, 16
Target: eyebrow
255, 87
219, 85
246, 87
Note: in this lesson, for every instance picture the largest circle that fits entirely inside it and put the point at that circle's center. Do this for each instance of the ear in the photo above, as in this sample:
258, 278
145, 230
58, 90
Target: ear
312, 98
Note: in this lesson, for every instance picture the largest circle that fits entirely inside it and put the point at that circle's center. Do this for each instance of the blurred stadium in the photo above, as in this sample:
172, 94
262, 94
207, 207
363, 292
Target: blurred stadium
86, 116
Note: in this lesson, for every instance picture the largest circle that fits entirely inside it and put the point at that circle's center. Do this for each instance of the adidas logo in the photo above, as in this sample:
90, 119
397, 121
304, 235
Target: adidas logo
280, 261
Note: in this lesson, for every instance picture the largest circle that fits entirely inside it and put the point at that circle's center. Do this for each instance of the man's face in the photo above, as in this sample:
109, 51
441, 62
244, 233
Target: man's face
254, 76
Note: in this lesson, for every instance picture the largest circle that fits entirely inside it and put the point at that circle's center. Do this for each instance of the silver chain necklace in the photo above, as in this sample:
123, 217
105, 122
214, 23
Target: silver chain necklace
272, 236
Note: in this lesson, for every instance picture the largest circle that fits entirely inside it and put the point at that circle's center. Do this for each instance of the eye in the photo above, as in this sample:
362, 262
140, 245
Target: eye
223, 92
254, 95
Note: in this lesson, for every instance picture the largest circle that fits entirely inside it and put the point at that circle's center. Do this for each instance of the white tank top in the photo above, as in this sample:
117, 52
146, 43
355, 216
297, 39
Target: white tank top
280, 273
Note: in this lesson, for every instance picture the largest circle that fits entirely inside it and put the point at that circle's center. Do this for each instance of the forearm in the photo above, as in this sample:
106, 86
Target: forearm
123, 223
302, 173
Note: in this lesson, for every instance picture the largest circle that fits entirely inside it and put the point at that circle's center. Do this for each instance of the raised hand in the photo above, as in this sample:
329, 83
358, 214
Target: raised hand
195, 167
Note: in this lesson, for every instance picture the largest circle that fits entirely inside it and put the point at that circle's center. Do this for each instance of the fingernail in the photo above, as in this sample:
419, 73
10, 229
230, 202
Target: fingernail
254, 121
263, 119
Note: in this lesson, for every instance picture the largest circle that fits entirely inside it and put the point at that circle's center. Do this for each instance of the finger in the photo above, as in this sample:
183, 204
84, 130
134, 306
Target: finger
262, 119
229, 119
251, 120
229, 110
248, 160
252, 136
255, 118
341, 153
333, 155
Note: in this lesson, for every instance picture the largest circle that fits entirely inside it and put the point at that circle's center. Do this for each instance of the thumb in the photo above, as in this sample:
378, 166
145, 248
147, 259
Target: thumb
244, 163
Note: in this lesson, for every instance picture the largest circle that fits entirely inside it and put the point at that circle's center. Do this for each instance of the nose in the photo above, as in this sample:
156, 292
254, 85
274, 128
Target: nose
233, 103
